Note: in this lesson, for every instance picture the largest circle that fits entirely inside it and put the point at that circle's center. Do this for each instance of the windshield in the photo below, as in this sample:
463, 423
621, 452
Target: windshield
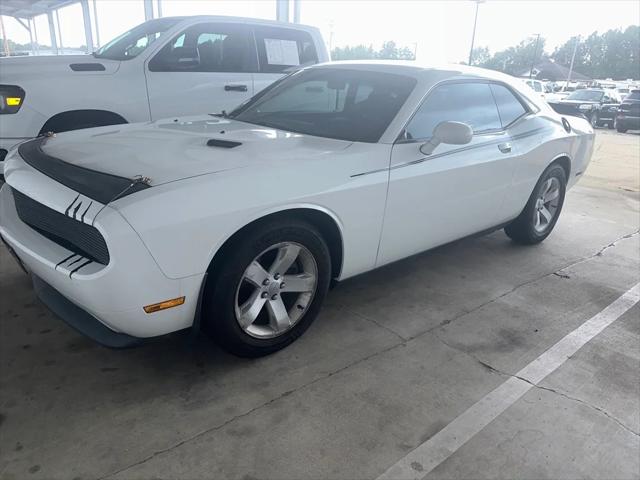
132, 43
353, 105
586, 95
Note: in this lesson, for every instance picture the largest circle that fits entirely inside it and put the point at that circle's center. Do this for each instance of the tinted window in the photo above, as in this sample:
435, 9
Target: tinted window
352, 105
280, 49
207, 48
509, 107
130, 44
470, 103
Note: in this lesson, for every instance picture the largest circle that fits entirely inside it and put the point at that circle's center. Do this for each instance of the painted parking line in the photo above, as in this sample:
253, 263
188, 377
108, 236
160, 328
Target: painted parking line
427, 456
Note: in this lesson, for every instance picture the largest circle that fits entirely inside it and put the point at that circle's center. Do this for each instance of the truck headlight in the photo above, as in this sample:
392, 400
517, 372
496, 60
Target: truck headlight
11, 98
585, 107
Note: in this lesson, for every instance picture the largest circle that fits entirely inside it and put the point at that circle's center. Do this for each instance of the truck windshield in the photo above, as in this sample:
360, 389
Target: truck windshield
353, 105
130, 44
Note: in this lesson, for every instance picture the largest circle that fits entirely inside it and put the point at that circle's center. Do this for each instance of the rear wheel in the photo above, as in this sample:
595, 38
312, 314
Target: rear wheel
620, 128
541, 213
269, 290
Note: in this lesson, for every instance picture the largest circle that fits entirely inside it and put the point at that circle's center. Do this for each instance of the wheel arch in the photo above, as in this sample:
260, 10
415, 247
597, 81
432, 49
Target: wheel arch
323, 219
100, 117
564, 160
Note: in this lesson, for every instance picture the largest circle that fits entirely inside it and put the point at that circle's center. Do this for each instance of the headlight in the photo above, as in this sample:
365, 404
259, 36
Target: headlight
585, 107
613, 109
11, 98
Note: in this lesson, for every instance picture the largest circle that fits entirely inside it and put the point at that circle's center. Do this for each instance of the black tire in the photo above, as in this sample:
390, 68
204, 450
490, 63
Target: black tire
611, 125
595, 120
219, 304
523, 229
620, 128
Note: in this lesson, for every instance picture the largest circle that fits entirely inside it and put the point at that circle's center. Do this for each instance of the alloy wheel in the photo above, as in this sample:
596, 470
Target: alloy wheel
275, 290
546, 206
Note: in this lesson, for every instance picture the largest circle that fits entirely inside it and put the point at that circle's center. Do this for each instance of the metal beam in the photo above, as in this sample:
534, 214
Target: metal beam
52, 33
148, 10
282, 10
35, 36
86, 16
159, 8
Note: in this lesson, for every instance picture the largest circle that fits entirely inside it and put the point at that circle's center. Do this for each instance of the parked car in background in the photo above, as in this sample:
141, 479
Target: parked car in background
537, 86
164, 67
597, 105
238, 223
628, 115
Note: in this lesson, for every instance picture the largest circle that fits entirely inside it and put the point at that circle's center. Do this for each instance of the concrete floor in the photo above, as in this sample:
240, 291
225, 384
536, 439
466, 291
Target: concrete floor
395, 356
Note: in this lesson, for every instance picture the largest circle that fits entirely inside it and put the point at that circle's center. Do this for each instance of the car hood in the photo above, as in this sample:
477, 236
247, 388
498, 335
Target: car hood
14, 69
174, 149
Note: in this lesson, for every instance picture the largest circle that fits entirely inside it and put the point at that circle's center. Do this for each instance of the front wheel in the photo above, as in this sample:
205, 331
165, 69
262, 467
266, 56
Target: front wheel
595, 119
269, 289
541, 213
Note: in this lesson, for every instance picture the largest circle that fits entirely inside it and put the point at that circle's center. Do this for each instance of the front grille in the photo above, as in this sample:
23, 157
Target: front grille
74, 235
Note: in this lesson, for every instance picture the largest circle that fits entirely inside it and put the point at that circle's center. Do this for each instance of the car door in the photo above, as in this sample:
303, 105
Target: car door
457, 190
281, 50
205, 69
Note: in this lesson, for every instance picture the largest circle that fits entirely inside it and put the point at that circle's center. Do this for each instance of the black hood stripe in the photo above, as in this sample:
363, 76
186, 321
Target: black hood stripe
98, 186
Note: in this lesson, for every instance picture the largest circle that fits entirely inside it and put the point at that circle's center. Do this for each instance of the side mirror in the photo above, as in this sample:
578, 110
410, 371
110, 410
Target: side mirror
452, 133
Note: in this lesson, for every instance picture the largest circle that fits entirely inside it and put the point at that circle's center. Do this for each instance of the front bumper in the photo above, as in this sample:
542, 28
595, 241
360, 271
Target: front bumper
113, 294
80, 319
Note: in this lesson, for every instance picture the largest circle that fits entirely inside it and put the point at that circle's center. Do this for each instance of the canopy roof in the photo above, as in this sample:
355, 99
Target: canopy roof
30, 8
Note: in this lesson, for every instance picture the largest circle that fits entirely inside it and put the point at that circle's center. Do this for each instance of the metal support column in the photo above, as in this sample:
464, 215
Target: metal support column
296, 11
31, 42
35, 36
95, 19
148, 10
282, 10
86, 17
61, 44
52, 33
159, 8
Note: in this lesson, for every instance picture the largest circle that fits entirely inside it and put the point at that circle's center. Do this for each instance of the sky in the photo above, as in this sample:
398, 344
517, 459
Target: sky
440, 31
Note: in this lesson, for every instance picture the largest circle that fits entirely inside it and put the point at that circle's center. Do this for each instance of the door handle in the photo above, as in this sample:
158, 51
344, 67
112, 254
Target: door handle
505, 147
235, 88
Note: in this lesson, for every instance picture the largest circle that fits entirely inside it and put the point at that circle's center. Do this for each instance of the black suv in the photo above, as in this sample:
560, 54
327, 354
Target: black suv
628, 117
595, 104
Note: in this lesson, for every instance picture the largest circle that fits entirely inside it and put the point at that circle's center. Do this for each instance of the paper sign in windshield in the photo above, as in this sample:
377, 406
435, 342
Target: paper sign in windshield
282, 52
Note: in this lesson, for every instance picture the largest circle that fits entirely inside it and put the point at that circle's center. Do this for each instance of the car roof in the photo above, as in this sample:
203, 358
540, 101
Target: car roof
247, 20
416, 69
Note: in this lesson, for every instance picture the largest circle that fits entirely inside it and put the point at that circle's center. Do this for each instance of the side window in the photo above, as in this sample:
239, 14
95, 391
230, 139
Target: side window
471, 103
509, 107
282, 48
208, 48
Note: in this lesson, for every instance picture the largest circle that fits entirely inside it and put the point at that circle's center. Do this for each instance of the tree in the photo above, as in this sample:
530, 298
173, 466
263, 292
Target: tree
480, 55
388, 51
513, 60
614, 54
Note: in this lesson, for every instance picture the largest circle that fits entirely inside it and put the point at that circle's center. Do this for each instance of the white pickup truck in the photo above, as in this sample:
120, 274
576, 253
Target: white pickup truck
165, 67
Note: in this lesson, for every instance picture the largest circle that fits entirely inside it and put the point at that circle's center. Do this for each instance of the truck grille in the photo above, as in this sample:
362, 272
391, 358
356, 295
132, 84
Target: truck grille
74, 235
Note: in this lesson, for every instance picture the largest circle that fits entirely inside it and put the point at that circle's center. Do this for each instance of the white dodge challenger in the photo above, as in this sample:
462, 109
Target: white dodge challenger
237, 222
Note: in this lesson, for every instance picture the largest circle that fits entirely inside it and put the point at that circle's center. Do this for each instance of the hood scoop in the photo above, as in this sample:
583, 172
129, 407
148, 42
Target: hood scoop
87, 67
216, 142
